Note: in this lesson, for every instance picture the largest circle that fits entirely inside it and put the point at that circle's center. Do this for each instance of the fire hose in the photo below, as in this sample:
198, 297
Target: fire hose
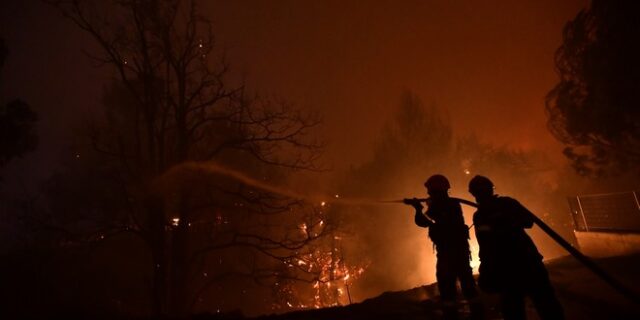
586, 261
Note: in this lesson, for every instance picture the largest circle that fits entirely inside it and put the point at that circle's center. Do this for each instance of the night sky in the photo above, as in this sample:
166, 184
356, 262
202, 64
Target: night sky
488, 64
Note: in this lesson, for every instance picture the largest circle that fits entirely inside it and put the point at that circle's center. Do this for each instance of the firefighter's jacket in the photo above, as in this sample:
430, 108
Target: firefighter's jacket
506, 251
446, 224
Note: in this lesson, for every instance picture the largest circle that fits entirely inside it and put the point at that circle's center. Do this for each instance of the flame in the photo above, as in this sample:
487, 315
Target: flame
330, 288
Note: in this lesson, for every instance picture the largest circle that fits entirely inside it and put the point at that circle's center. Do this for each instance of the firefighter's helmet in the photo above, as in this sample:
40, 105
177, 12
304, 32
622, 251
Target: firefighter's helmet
480, 185
437, 182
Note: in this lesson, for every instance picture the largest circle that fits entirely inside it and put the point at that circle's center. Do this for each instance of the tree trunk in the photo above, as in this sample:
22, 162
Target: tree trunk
179, 293
157, 243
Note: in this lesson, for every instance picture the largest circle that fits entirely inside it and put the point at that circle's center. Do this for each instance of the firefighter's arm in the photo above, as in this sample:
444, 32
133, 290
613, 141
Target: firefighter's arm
421, 220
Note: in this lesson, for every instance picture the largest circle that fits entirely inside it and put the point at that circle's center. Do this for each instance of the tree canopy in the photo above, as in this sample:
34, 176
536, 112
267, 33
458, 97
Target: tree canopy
594, 109
17, 123
17, 131
172, 104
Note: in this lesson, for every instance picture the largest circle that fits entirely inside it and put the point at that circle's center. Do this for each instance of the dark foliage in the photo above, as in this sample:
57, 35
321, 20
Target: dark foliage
17, 124
147, 168
17, 132
3, 52
594, 110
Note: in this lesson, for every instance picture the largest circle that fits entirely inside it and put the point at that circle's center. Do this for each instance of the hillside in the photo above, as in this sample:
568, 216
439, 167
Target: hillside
583, 295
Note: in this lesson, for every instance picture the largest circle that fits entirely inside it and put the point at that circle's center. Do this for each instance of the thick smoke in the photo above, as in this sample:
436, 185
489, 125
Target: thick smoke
416, 143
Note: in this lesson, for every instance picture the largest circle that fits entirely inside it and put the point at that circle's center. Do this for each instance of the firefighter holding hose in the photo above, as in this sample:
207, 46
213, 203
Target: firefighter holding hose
450, 236
510, 263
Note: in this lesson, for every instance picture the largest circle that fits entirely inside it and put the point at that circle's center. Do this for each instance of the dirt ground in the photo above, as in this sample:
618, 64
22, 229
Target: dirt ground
582, 294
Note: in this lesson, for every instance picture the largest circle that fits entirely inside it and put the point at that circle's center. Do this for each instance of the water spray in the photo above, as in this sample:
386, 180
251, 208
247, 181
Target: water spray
212, 167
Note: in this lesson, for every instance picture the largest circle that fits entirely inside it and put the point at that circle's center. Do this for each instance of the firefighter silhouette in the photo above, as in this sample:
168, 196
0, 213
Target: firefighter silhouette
510, 263
450, 236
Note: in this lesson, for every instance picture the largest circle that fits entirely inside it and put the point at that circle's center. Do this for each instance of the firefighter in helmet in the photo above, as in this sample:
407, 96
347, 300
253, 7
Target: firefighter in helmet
510, 263
450, 236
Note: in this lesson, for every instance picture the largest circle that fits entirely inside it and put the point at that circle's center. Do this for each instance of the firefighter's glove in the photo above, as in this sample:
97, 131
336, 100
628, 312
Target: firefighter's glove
416, 204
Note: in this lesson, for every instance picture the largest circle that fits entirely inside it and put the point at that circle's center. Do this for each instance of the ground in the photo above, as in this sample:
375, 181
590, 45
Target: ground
583, 295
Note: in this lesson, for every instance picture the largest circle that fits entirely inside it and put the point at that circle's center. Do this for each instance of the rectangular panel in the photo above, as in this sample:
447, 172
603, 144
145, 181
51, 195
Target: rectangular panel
606, 212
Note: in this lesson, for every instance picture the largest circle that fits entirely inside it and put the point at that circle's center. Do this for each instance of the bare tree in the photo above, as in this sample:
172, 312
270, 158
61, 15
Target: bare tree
170, 104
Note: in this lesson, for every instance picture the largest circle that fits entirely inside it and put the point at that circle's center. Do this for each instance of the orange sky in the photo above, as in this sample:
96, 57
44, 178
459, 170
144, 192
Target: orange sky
489, 63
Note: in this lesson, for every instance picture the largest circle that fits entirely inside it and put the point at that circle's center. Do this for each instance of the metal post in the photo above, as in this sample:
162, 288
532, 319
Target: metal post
584, 219
346, 284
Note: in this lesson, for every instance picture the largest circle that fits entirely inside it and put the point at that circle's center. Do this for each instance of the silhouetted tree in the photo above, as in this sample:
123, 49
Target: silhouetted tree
594, 109
3, 52
171, 104
17, 124
417, 136
17, 132
416, 141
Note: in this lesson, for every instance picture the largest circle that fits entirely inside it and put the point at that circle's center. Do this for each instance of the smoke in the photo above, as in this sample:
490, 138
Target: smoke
415, 144
380, 233
370, 228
